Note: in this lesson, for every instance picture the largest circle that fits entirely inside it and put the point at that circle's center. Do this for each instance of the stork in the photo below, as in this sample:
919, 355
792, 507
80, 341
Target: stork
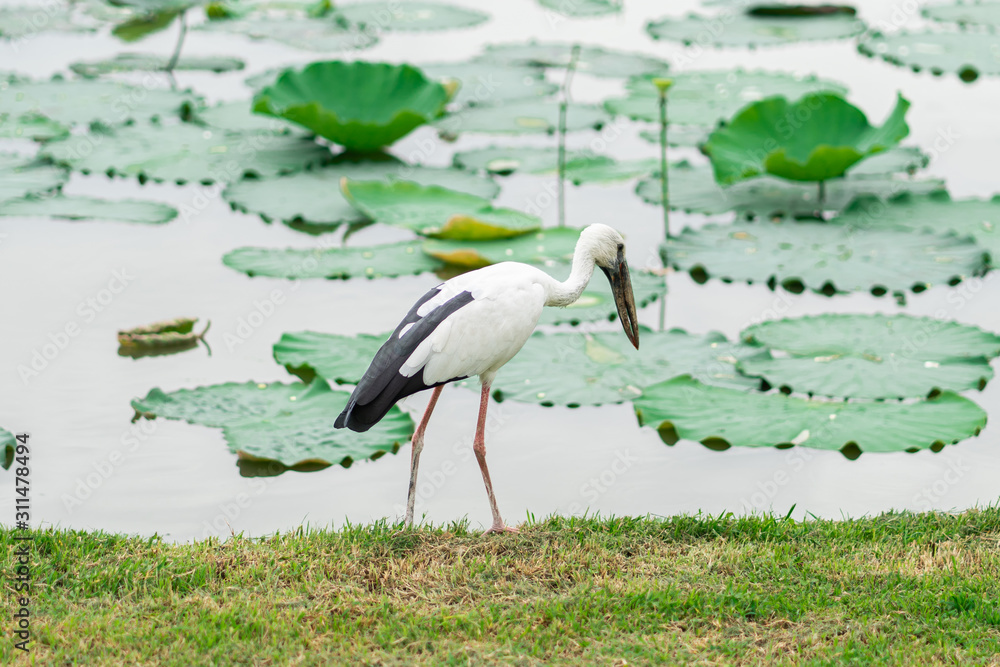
472, 325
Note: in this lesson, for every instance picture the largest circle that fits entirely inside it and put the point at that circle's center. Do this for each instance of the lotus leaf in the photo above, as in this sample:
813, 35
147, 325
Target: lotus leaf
436, 212
140, 26
9, 443
505, 160
407, 16
720, 417
237, 117
20, 176
291, 424
86, 101
315, 34
824, 258
744, 30
968, 54
693, 188
131, 62
580, 8
536, 248
361, 106
901, 159
76, 207
382, 261
160, 338
935, 212
186, 152
597, 302
815, 139
30, 126
872, 356
966, 13
522, 117
678, 135
333, 357
592, 60
24, 22
702, 98
488, 83
577, 369
314, 198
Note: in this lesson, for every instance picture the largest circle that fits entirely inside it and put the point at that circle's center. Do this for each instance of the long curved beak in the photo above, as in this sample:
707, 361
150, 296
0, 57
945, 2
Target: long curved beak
621, 288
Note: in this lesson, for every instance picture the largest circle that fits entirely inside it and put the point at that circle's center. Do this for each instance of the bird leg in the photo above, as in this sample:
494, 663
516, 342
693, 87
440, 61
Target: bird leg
480, 448
418, 444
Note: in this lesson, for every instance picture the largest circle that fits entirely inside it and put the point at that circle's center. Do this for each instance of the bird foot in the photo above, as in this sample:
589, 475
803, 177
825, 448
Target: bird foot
501, 529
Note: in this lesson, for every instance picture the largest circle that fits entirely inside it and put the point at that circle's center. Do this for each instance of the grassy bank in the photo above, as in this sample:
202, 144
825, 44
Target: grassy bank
899, 589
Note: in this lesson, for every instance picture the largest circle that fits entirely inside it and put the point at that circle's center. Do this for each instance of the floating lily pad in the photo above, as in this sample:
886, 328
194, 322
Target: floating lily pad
577, 369
8, 443
824, 258
237, 116
85, 101
24, 22
706, 97
967, 54
816, 138
693, 188
489, 83
720, 417
580, 167
583, 8
678, 135
935, 212
186, 153
966, 13
381, 261
21, 176
314, 197
897, 160
744, 30
872, 356
131, 62
361, 106
536, 248
314, 34
409, 16
597, 302
160, 338
291, 424
592, 60
437, 212
139, 25
77, 207
523, 117
333, 357
30, 126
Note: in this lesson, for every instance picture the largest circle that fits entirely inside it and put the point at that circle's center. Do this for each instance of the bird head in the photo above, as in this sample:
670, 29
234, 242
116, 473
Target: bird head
607, 247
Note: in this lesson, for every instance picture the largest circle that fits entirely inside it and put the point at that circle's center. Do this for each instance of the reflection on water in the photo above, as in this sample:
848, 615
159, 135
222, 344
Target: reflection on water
95, 469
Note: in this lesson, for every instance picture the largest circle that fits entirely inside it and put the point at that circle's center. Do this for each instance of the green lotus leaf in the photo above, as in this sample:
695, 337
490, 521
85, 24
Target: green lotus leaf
898, 160
381, 261
582, 8
156, 6
825, 258
966, 13
689, 136
522, 117
30, 126
302, 32
333, 357
703, 98
361, 106
934, 212
490, 83
693, 188
148, 62
721, 417
24, 22
291, 424
967, 54
21, 177
749, 31
185, 152
9, 443
815, 139
597, 303
76, 207
141, 26
872, 356
592, 60
237, 117
505, 160
575, 369
436, 212
409, 16
536, 248
86, 101
160, 338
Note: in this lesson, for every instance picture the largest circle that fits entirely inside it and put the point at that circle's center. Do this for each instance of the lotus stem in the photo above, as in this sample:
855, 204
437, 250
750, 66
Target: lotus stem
662, 85
172, 63
563, 103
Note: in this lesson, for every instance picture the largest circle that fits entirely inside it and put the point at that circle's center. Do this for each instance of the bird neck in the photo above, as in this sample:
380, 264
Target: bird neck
566, 292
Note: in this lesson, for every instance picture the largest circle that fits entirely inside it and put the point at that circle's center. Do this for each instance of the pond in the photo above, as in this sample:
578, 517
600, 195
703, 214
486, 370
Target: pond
94, 469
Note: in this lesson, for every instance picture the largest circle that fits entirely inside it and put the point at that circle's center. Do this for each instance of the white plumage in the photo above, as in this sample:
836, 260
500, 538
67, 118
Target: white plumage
472, 325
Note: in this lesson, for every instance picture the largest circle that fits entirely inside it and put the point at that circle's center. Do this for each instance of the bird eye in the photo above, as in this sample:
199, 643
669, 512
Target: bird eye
621, 246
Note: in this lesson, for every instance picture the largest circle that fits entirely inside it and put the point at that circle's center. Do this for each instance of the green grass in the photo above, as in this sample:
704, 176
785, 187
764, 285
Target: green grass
898, 589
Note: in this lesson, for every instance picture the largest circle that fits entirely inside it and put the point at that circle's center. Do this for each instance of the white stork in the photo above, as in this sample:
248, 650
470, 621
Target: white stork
472, 325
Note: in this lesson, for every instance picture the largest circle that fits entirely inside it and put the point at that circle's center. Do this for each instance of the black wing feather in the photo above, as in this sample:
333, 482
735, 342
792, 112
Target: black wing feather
383, 385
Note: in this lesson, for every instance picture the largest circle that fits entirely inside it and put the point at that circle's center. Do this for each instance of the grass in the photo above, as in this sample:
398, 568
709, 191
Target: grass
897, 589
